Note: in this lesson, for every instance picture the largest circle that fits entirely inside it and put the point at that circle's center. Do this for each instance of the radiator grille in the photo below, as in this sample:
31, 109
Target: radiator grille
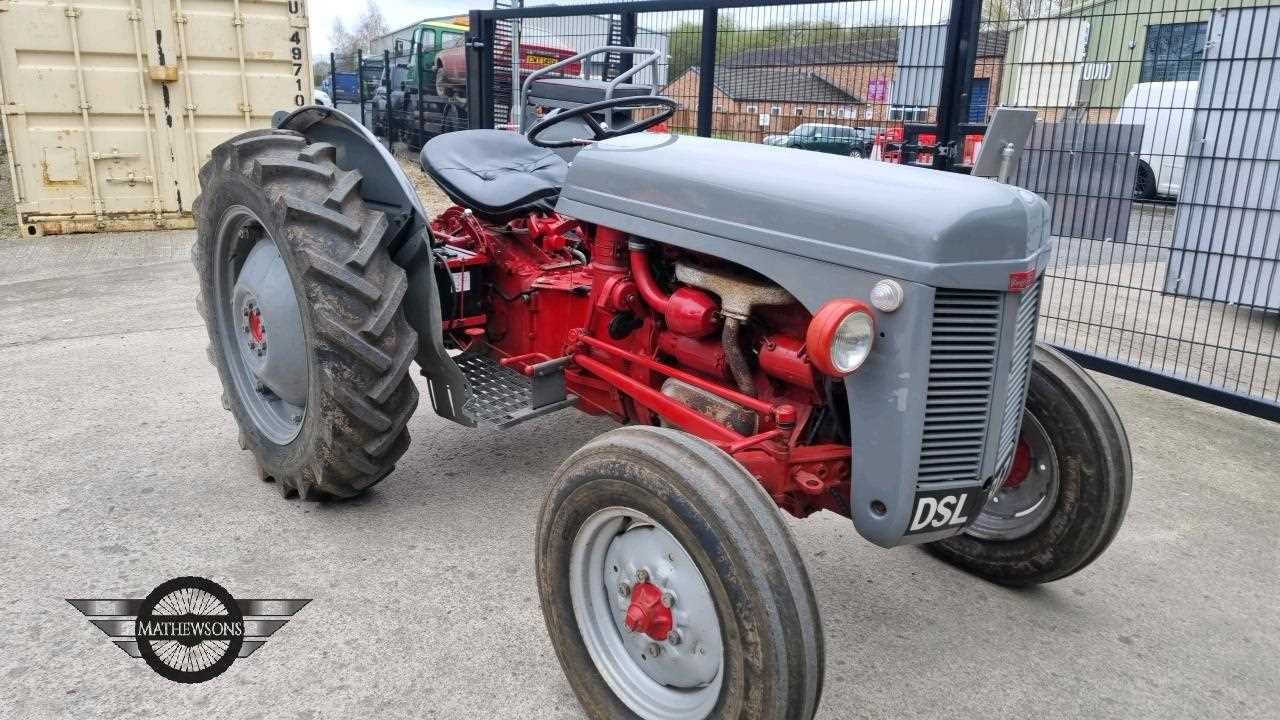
1024, 337
962, 363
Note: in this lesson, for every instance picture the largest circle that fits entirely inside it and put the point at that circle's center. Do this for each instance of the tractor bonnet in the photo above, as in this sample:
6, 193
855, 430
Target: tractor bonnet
934, 228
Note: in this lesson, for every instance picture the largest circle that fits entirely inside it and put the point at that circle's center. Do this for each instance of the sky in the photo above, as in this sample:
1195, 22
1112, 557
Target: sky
397, 12
403, 12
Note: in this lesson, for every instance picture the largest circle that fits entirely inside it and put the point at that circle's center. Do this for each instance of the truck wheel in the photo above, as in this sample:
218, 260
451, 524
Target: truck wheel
303, 309
670, 586
1144, 184
1067, 492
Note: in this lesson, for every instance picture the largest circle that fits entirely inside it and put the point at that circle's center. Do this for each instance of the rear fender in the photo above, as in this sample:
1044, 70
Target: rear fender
385, 186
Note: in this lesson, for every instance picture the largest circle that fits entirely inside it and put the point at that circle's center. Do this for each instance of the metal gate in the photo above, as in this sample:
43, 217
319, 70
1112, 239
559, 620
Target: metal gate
1174, 291
111, 108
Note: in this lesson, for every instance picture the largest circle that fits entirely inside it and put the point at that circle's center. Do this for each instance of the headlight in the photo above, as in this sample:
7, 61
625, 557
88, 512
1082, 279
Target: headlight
840, 337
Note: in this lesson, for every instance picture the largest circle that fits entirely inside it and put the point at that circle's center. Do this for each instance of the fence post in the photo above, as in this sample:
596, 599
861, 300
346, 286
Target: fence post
386, 69
627, 36
960, 55
421, 123
333, 79
707, 70
480, 71
360, 81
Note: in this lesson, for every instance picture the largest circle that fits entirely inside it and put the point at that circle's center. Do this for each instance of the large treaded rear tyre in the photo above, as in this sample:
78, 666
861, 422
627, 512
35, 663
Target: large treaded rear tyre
1087, 455
717, 523
357, 344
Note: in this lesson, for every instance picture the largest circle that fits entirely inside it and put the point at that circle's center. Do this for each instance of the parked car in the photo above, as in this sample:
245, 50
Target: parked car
1164, 110
835, 139
322, 98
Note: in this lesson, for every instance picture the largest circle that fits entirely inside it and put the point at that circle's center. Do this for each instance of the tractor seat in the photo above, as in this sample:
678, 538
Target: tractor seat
496, 173
581, 92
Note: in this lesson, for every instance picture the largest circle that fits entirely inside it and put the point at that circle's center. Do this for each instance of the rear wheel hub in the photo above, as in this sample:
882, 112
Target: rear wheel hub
262, 330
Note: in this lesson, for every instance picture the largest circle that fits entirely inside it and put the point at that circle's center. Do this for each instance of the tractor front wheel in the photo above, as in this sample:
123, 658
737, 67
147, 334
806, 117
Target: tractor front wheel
1066, 494
670, 586
303, 308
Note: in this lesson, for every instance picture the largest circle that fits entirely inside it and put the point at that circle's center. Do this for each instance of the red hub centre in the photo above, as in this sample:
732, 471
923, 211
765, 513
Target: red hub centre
255, 326
1021, 465
647, 614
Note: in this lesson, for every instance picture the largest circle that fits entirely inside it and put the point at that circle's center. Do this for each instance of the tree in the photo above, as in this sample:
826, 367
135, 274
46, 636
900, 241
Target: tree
684, 41
1002, 10
342, 41
371, 26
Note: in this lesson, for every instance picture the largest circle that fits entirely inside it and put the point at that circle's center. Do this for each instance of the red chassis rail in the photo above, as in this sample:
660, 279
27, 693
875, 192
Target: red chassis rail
546, 303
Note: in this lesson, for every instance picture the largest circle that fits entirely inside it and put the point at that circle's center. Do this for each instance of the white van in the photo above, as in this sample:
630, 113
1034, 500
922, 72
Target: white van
1164, 110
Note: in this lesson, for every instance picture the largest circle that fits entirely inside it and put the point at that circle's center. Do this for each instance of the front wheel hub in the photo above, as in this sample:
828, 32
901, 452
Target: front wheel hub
1030, 491
647, 614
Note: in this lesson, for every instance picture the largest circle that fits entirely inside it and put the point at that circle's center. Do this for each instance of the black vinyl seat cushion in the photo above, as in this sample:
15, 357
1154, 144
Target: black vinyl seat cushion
581, 92
496, 173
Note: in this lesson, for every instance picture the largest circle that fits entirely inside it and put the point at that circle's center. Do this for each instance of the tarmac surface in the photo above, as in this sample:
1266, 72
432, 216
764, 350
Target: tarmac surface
121, 470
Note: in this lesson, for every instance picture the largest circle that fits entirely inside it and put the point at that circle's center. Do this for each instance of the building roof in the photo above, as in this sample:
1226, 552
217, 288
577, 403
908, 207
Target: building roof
880, 50
768, 84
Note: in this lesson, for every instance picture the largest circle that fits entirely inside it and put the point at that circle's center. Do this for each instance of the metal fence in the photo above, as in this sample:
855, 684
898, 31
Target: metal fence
1153, 143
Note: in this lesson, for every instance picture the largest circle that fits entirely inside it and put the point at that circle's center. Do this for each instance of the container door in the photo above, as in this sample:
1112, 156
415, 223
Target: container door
238, 63
83, 111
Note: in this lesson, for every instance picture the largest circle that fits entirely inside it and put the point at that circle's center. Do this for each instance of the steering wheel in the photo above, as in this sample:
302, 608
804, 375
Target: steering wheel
600, 132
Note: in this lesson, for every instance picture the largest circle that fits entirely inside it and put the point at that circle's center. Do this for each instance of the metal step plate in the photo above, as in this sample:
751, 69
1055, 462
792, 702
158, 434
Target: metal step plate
500, 395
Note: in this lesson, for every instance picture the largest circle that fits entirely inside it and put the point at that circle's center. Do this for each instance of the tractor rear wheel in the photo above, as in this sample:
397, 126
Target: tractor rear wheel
1067, 492
671, 587
303, 308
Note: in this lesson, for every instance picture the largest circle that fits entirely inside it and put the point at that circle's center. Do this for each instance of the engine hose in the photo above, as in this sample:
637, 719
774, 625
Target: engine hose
737, 361
643, 276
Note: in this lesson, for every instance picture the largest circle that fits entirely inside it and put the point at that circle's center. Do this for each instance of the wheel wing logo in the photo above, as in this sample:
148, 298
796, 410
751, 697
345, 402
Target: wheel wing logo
189, 629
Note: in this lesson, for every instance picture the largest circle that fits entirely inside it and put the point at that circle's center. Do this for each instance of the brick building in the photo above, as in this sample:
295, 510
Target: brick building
769, 91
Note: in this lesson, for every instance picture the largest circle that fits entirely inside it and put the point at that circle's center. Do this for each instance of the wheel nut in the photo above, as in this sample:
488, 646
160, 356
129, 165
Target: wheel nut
673, 637
654, 649
624, 590
642, 576
668, 600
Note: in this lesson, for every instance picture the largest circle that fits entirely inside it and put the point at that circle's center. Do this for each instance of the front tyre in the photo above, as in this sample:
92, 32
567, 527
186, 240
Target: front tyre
670, 586
303, 308
1066, 494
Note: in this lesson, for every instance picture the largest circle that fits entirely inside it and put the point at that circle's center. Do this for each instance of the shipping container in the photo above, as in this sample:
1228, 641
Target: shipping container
109, 109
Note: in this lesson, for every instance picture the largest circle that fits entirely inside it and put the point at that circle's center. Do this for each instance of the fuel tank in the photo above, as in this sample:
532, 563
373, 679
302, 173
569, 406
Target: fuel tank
939, 229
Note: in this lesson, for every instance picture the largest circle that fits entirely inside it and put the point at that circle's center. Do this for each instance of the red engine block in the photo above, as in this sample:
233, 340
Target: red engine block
550, 287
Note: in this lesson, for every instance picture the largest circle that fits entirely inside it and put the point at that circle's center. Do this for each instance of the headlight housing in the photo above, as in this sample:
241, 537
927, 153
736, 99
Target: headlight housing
840, 337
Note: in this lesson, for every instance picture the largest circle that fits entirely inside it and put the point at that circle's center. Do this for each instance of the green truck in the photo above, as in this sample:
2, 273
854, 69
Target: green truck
433, 61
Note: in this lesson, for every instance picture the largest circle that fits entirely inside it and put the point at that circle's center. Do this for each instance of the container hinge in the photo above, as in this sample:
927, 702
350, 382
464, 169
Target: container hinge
12, 108
298, 22
6, 5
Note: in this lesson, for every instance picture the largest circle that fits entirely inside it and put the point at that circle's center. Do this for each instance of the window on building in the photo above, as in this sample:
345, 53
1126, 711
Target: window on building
775, 110
718, 108
799, 111
822, 112
1173, 52
909, 114
753, 108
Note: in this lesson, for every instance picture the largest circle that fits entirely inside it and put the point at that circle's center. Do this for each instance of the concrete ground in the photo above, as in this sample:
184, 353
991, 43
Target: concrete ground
121, 470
